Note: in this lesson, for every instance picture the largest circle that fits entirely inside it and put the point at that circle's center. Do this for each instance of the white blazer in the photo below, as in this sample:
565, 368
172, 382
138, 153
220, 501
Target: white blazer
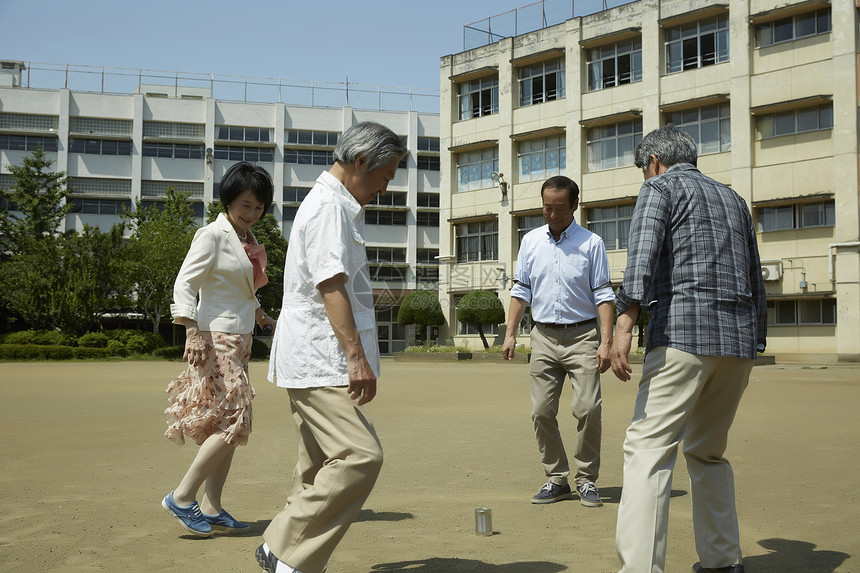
218, 270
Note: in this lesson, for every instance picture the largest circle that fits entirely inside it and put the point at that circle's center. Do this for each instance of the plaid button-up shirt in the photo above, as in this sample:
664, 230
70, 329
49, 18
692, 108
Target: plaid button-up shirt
693, 260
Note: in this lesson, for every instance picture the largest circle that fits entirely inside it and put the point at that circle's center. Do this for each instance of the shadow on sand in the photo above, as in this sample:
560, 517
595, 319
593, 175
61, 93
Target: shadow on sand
449, 565
792, 555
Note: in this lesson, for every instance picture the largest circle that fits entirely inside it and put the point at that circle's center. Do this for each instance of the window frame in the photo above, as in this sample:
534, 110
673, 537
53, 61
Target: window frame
543, 156
679, 38
599, 136
778, 121
478, 97
477, 241
772, 218
764, 33
621, 222
596, 67
485, 165
722, 118
530, 76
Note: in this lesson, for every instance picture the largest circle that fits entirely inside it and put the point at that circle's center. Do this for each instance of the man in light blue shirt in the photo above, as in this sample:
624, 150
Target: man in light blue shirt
563, 272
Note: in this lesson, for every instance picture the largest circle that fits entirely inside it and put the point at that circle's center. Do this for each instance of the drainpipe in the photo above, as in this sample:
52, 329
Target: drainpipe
831, 255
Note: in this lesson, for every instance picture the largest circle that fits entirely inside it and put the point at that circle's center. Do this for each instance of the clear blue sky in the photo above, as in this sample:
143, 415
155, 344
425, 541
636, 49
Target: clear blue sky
378, 42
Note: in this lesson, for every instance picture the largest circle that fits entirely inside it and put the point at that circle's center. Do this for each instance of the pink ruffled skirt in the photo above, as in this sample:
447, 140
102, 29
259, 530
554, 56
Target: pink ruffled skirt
215, 397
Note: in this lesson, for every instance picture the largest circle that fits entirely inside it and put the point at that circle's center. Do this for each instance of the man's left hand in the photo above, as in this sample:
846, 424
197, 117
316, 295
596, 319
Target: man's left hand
362, 381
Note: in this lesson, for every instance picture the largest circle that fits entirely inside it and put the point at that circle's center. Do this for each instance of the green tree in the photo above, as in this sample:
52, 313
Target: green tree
40, 196
481, 307
160, 238
32, 212
268, 232
421, 308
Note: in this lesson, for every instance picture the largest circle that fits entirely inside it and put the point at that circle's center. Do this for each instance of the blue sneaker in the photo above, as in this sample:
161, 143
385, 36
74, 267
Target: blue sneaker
191, 518
224, 521
551, 492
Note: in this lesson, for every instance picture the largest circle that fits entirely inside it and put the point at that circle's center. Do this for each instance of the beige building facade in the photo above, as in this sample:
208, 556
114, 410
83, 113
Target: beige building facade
117, 148
769, 90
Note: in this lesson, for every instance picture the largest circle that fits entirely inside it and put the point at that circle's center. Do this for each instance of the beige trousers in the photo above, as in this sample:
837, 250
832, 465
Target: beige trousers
557, 354
339, 460
693, 398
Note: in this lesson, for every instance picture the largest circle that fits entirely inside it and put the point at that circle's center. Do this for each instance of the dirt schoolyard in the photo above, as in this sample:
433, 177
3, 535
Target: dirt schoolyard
85, 466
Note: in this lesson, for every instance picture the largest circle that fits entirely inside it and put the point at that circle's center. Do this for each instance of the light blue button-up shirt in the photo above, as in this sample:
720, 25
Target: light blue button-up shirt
563, 280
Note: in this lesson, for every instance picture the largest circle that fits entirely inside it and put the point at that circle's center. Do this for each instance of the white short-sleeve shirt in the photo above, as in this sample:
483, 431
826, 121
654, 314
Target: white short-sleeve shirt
326, 240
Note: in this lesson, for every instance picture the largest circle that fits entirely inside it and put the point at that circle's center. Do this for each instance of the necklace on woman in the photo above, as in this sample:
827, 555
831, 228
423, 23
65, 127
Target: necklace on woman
243, 236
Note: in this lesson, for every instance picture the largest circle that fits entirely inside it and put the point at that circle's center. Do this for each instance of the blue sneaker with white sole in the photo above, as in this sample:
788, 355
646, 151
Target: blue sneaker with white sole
190, 517
224, 521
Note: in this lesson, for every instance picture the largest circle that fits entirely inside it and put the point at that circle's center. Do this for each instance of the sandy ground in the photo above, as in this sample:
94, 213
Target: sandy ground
84, 468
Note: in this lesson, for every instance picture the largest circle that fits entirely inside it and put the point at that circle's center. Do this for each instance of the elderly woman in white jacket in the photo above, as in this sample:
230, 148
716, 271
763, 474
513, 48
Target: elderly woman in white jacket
210, 402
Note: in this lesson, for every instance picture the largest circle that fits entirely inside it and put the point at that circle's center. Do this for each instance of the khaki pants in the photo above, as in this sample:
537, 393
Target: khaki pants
693, 398
339, 460
557, 354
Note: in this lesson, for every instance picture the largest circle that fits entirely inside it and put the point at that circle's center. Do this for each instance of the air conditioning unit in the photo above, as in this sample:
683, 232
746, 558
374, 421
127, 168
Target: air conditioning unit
771, 270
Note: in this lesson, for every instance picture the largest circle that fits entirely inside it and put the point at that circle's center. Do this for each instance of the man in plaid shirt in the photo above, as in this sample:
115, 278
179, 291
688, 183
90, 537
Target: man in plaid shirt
693, 262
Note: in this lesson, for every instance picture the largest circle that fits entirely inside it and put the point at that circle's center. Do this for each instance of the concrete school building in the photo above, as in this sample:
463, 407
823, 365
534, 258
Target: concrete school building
120, 147
769, 90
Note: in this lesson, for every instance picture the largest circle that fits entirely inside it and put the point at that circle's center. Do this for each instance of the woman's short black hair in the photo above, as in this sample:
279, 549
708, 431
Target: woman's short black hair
244, 176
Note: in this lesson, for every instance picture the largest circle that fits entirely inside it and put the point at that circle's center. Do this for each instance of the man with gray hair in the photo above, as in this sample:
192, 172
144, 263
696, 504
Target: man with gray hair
326, 354
693, 261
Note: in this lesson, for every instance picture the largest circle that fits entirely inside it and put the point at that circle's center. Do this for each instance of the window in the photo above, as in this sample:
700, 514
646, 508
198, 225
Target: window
697, 44
541, 82
196, 207
308, 157
28, 122
428, 162
611, 146
797, 216
170, 150
295, 194
100, 206
309, 137
28, 142
474, 169
479, 97
386, 255
801, 312
385, 217
390, 199
428, 143
816, 118
428, 200
104, 186
427, 256
427, 276
173, 130
793, 27
242, 133
709, 126
100, 126
542, 158
289, 213
387, 273
427, 219
615, 64
527, 223
152, 188
612, 224
478, 241
252, 154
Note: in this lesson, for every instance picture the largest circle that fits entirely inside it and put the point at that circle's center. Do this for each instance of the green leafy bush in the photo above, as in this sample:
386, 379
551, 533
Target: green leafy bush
90, 352
40, 337
464, 349
35, 352
143, 343
116, 348
169, 352
93, 340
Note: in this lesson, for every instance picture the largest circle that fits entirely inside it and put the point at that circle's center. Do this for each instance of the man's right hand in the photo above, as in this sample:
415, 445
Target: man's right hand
618, 355
509, 347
